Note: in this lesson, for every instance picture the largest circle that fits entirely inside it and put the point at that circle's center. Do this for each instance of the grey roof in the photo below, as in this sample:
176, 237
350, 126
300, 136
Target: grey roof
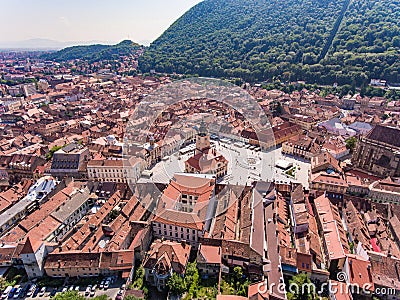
70, 147
14, 210
64, 211
360, 126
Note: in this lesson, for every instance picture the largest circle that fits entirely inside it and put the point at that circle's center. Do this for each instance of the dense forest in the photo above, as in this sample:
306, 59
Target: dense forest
94, 53
318, 41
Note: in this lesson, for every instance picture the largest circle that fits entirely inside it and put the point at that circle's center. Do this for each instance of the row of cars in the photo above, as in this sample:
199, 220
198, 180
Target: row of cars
29, 290
32, 290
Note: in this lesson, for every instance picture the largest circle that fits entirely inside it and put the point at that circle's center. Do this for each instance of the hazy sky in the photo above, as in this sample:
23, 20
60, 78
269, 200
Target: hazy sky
86, 20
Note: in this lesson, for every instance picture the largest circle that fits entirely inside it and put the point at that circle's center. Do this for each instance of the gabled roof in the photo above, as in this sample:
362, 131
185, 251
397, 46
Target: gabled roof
28, 248
168, 253
360, 272
325, 160
385, 134
210, 254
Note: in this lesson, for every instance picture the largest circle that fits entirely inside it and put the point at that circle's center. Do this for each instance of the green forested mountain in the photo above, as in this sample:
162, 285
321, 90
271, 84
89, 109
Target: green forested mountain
94, 53
319, 41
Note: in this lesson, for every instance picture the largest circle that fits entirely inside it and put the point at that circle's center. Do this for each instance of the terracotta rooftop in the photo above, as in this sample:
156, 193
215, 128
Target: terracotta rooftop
333, 231
177, 254
210, 254
360, 272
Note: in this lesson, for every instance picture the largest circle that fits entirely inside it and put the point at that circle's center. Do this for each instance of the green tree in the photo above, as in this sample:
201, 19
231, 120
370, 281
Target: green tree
102, 297
176, 284
192, 274
351, 143
113, 214
139, 278
192, 280
70, 295
3, 283
49, 154
238, 273
301, 288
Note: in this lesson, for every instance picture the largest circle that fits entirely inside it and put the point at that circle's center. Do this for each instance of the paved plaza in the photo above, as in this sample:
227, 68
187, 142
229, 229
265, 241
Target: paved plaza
245, 166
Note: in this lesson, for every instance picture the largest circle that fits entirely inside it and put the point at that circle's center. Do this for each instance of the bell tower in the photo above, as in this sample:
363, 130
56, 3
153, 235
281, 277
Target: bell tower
202, 139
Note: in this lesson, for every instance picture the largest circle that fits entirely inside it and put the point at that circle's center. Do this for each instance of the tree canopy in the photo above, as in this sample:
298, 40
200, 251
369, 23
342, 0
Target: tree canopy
74, 295
301, 288
176, 284
94, 53
319, 41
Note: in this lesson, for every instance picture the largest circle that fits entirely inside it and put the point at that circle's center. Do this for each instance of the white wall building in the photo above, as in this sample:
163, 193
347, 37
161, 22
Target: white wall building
115, 170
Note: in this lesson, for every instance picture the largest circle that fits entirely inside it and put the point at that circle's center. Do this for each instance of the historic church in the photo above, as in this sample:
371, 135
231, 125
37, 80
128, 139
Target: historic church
206, 160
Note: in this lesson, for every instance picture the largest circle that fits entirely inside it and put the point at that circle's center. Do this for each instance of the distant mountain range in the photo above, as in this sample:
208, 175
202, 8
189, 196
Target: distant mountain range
45, 44
95, 52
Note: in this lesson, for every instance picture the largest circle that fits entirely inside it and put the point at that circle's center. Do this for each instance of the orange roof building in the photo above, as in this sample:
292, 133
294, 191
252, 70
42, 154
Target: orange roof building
184, 208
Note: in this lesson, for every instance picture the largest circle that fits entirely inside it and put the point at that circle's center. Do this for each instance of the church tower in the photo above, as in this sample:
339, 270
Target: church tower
202, 139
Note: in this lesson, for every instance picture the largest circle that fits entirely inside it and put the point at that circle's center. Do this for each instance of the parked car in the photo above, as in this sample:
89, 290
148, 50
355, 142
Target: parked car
25, 290
102, 284
92, 293
64, 289
88, 290
77, 288
42, 291
5, 293
53, 292
36, 292
71, 288
31, 290
106, 285
11, 293
17, 293
111, 279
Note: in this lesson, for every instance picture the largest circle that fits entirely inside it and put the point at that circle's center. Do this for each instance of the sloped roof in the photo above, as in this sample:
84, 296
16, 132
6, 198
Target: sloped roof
385, 134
